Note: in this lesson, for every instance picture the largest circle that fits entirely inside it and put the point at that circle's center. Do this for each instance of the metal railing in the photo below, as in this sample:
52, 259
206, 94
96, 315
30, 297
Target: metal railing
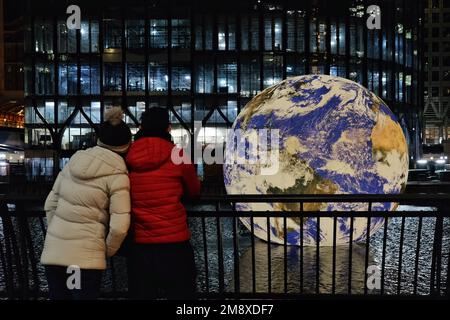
411, 251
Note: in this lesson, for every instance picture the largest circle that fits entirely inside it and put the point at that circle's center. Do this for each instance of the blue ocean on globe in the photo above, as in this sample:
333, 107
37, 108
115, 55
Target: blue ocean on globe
335, 137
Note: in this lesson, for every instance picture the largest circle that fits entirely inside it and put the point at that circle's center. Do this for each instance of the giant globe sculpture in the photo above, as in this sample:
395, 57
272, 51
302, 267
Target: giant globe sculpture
335, 137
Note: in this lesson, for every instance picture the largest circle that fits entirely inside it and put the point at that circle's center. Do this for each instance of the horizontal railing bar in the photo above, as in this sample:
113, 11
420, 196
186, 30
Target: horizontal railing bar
403, 198
314, 214
289, 214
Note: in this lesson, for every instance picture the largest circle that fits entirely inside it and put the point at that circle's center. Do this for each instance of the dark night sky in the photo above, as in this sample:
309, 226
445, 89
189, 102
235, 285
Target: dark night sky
13, 9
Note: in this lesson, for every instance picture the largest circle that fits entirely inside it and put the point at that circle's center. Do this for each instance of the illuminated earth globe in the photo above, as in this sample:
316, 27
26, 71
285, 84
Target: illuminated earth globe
335, 137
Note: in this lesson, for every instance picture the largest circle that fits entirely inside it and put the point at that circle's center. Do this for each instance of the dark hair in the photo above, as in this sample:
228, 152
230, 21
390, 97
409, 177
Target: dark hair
154, 123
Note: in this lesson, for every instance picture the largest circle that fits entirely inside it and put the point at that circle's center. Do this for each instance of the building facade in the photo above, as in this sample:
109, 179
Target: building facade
204, 60
437, 71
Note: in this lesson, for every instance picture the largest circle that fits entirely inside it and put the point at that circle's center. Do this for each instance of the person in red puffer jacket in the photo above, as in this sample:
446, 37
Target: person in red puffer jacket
161, 262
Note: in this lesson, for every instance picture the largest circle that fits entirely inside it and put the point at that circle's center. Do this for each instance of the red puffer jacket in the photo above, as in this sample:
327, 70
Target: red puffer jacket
157, 184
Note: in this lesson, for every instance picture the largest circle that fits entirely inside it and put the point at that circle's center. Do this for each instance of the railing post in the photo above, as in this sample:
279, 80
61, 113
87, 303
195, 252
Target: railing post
435, 276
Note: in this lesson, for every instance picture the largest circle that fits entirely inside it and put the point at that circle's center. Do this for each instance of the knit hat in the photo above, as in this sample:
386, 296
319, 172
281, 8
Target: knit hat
155, 120
114, 134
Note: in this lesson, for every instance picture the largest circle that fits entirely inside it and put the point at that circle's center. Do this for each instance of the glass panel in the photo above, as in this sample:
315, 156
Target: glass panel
227, 76
113, 34
45, 79
135, 33
75, 138
90, 78
84, 33
43, 36
92, 110
67, 78
67, 39
113, 77
64, 111
341, 38
273, 70
250, 78
278, 31
158, 33
47, 110
158, 77
135, 76
205, 76
181, 33
136, 110
268, 45
181, 78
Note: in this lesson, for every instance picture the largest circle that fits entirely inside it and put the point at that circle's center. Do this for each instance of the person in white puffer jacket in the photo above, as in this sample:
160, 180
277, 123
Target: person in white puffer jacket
88, 213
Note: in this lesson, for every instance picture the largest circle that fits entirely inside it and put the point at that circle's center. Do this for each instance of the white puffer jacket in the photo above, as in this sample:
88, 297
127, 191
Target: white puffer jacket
88, 210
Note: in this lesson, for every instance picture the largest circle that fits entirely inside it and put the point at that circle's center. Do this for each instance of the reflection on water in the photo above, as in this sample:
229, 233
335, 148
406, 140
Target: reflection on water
115, 278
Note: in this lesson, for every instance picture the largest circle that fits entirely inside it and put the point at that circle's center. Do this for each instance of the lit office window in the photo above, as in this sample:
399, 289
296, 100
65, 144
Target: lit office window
229, 110
45, 78
386, 82
43, 36
295, 32
113, 77
181, 33
338, 69
89, 36
372, 44
158, 33
90, 78
250, 32
112, 33
387, 46
313, 35
355, 70
76, 137
135, 108
47, 110
135, 34
321, 37
135, 76
157, 77
183, 110
203, 32
181, 78
333, 38
227, 76
356, 40
294, 66
273, 70
268, 33
399, 86
341, 39
409, 48
273, 30
399, 45
92, 110
250, 76
373, 78
39, 137
204, 73
67, 39
67, 74
226, 33
64, 111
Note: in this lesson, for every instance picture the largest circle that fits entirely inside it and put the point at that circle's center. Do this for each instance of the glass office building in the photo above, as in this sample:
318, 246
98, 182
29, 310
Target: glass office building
203, 60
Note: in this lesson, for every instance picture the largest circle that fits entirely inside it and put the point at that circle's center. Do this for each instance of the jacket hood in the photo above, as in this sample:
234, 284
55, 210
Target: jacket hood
149, 153
96, 162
